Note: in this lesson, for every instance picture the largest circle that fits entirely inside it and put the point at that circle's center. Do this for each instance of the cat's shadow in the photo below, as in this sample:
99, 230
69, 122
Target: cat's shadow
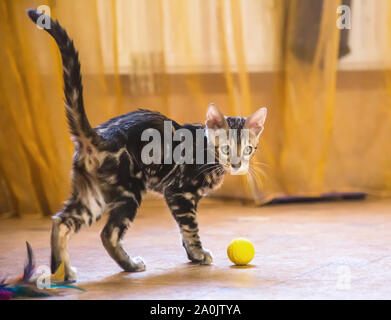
185, 274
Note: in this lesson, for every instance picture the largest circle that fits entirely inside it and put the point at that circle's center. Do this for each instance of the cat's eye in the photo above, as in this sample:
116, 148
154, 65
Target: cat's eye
248, 150
225, 149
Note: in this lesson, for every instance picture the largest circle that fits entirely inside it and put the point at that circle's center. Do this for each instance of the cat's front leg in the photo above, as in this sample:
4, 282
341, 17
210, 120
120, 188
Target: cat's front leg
183, 206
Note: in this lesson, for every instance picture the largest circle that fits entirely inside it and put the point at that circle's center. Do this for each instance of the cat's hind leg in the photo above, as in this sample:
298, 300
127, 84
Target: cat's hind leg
120, 217
68, 221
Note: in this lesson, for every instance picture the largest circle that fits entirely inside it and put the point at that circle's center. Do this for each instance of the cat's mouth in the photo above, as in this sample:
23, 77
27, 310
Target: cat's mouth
238, 171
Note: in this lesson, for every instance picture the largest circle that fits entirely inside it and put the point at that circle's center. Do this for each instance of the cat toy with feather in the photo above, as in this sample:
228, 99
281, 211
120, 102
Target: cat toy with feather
25, 286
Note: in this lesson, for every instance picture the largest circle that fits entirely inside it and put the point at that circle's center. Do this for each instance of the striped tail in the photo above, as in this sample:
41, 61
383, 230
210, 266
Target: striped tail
73, 88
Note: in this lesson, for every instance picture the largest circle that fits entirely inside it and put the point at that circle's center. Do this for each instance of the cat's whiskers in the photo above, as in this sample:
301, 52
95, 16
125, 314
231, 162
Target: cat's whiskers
260, 163
260, 170
212, 167
255, 178
217, 170
252, 181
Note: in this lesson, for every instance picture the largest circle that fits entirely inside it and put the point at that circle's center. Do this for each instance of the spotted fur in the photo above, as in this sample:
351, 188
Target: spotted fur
108, 175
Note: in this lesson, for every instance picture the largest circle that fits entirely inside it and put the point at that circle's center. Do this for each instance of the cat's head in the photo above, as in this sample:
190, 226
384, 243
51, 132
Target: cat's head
235, 139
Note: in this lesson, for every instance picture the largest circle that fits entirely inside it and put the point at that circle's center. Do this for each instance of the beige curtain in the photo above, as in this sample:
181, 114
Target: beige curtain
328, 129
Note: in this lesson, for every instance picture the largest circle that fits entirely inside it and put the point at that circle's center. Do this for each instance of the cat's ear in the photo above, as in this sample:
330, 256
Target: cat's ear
256, 121
214, 118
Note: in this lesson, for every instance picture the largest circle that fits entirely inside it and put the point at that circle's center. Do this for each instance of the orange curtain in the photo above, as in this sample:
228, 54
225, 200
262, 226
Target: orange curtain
328, 128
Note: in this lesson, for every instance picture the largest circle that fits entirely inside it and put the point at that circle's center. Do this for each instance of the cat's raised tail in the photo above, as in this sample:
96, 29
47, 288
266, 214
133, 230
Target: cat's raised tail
73, 89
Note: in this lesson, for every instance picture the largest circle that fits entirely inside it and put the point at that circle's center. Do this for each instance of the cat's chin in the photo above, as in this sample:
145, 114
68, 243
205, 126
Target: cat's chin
238, 172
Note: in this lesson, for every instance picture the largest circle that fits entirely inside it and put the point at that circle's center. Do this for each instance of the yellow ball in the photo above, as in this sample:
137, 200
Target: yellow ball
240, 251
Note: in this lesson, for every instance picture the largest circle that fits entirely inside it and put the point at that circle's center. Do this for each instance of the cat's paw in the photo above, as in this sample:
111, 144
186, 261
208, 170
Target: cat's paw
135, 264
139, 264
207, 259
70, 275
201, 256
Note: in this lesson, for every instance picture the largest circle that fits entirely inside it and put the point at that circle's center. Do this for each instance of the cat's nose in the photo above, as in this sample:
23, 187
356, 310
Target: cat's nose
235, 166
